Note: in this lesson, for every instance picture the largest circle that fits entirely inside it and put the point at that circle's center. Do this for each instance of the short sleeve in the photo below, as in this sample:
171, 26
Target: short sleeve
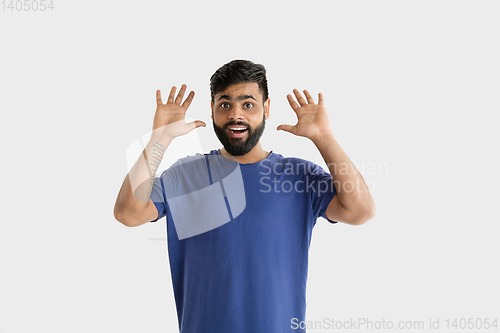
321, 189
168, 184
158, 197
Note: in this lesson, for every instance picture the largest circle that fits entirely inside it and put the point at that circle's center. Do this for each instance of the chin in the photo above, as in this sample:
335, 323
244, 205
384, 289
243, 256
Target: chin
239, 146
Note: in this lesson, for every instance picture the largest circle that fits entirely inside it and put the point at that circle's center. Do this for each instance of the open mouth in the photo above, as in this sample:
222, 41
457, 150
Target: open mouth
237, 131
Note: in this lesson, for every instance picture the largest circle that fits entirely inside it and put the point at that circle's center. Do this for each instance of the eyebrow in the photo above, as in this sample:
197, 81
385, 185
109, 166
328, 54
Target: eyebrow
240, 98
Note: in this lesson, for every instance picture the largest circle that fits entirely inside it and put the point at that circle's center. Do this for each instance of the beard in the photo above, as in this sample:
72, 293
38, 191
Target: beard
239, 146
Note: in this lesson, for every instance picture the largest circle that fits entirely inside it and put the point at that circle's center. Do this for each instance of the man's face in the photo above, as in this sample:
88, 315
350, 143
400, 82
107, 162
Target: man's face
239, 116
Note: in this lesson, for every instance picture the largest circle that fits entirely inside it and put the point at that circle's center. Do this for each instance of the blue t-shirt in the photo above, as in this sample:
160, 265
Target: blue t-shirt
238, 239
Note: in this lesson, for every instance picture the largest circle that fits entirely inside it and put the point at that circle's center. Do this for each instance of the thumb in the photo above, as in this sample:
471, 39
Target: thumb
193, 125
286, 128
199, 123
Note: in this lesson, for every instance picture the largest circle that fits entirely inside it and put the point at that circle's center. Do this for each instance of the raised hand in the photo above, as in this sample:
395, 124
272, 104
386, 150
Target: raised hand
312, 119
169, 120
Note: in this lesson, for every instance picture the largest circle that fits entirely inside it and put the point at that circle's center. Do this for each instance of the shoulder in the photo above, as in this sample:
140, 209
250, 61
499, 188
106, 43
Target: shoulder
278, 158
190, 158
183, 163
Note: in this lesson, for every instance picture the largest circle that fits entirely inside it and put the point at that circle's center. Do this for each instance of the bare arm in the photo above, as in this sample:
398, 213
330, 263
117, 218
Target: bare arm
353, 203
133, 205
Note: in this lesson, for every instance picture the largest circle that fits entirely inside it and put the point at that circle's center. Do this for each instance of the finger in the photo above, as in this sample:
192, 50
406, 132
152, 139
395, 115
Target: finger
292, 102
158, 98
171, 95
194, 124
310, 100
188, 100
299, 97
180, 96
286, 128
199, 123
320, 98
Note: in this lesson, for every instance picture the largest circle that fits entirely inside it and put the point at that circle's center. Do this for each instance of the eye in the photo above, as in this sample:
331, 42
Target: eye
248, 105
224, 105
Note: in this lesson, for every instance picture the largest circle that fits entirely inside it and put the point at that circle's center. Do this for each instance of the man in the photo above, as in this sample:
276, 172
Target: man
240, 219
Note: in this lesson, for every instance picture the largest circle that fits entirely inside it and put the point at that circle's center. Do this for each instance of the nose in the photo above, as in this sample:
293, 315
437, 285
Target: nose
236, 113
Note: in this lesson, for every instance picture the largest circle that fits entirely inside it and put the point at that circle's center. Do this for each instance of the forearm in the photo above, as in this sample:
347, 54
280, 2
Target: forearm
136, 190
352, 191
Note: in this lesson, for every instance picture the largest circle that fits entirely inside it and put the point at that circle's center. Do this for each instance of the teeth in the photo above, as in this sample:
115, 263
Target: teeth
238, 129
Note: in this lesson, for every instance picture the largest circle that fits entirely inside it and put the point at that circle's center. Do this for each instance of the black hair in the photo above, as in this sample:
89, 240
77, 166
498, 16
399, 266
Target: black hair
238, 71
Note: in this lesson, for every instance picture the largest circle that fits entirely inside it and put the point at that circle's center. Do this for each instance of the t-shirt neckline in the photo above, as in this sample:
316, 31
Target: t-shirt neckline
247, 164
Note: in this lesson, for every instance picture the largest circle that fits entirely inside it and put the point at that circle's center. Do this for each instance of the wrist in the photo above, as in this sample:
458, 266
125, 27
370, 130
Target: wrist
323, 139
161, 137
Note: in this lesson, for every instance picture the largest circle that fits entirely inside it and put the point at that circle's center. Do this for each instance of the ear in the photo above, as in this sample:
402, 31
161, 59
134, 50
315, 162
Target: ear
267, 104
212, 107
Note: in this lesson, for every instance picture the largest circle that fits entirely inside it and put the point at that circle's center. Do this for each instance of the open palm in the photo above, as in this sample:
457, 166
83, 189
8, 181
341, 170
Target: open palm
312, 119
169, 118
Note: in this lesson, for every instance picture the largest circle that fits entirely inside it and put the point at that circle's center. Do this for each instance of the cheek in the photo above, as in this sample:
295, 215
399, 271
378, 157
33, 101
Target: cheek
218, 121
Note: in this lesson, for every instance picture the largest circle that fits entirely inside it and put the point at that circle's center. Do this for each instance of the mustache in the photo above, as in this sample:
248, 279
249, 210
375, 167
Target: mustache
239, 123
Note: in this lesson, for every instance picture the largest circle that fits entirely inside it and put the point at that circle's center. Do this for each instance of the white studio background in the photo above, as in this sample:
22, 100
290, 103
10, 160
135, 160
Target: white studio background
411, 88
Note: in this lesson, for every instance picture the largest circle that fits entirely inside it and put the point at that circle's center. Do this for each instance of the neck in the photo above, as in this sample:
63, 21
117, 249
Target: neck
255, 155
